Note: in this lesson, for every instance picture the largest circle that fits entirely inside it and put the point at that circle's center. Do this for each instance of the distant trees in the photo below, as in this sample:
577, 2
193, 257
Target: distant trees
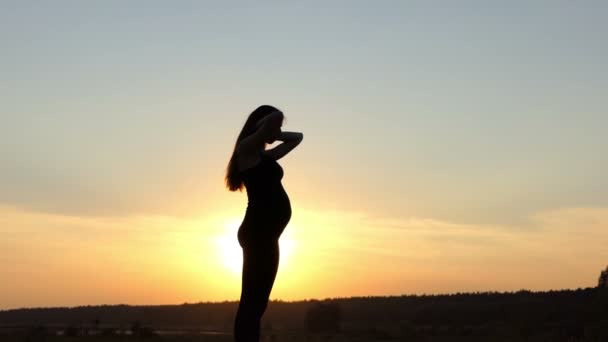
323, 317
532, 316
603, 281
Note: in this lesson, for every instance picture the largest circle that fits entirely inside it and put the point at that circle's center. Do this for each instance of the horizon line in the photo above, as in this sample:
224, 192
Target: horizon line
308, 299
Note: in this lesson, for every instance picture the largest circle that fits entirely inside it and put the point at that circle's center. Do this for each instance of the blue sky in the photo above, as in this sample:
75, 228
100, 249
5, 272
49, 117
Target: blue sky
488, 108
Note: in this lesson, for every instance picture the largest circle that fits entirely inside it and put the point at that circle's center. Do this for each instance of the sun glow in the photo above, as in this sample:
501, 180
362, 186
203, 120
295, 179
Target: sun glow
230, 253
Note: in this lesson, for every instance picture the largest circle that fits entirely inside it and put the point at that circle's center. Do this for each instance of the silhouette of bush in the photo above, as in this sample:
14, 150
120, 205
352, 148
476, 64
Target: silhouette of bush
603, 281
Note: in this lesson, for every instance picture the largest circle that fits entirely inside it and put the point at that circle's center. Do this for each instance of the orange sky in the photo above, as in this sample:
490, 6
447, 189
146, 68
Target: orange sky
52, 260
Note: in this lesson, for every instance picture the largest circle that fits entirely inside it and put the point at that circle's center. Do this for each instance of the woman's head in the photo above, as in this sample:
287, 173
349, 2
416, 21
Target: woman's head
233, 180
255, 120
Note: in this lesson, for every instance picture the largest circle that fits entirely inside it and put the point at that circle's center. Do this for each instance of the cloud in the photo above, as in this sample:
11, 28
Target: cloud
560, 248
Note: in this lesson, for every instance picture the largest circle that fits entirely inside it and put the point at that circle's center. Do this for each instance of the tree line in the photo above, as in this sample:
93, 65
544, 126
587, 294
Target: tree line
571, 312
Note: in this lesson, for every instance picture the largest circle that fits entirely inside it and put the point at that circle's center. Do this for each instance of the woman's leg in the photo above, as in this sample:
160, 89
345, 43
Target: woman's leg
260, 265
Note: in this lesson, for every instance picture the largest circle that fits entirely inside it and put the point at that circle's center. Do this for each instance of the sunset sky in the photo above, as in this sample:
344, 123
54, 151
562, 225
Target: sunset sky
448, 146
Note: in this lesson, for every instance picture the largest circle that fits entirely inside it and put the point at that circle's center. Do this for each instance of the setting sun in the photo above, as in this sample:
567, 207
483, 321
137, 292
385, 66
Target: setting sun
230, 254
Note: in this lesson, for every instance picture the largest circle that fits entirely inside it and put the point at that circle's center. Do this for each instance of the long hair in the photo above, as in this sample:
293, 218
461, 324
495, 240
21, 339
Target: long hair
233, 179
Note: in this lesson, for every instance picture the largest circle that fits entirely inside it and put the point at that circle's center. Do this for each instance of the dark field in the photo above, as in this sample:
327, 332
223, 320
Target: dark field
307, 337
568, 315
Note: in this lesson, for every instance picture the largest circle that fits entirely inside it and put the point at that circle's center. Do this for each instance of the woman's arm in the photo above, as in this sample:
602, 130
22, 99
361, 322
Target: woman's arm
290, 141
290, 136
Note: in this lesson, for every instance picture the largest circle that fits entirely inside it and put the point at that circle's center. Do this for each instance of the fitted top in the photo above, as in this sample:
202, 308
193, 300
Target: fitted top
267, 201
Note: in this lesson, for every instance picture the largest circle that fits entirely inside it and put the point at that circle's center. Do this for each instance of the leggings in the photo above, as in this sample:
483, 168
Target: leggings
260, 265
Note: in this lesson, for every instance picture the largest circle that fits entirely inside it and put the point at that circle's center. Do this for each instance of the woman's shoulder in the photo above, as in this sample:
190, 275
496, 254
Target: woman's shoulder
248, 161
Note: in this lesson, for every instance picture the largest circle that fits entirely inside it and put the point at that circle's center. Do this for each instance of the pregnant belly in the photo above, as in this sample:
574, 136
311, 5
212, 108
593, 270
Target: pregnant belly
274, 214
265, 221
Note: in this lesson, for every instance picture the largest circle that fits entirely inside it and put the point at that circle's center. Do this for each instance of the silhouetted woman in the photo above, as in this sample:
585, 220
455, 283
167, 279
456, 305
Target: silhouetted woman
268, 211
